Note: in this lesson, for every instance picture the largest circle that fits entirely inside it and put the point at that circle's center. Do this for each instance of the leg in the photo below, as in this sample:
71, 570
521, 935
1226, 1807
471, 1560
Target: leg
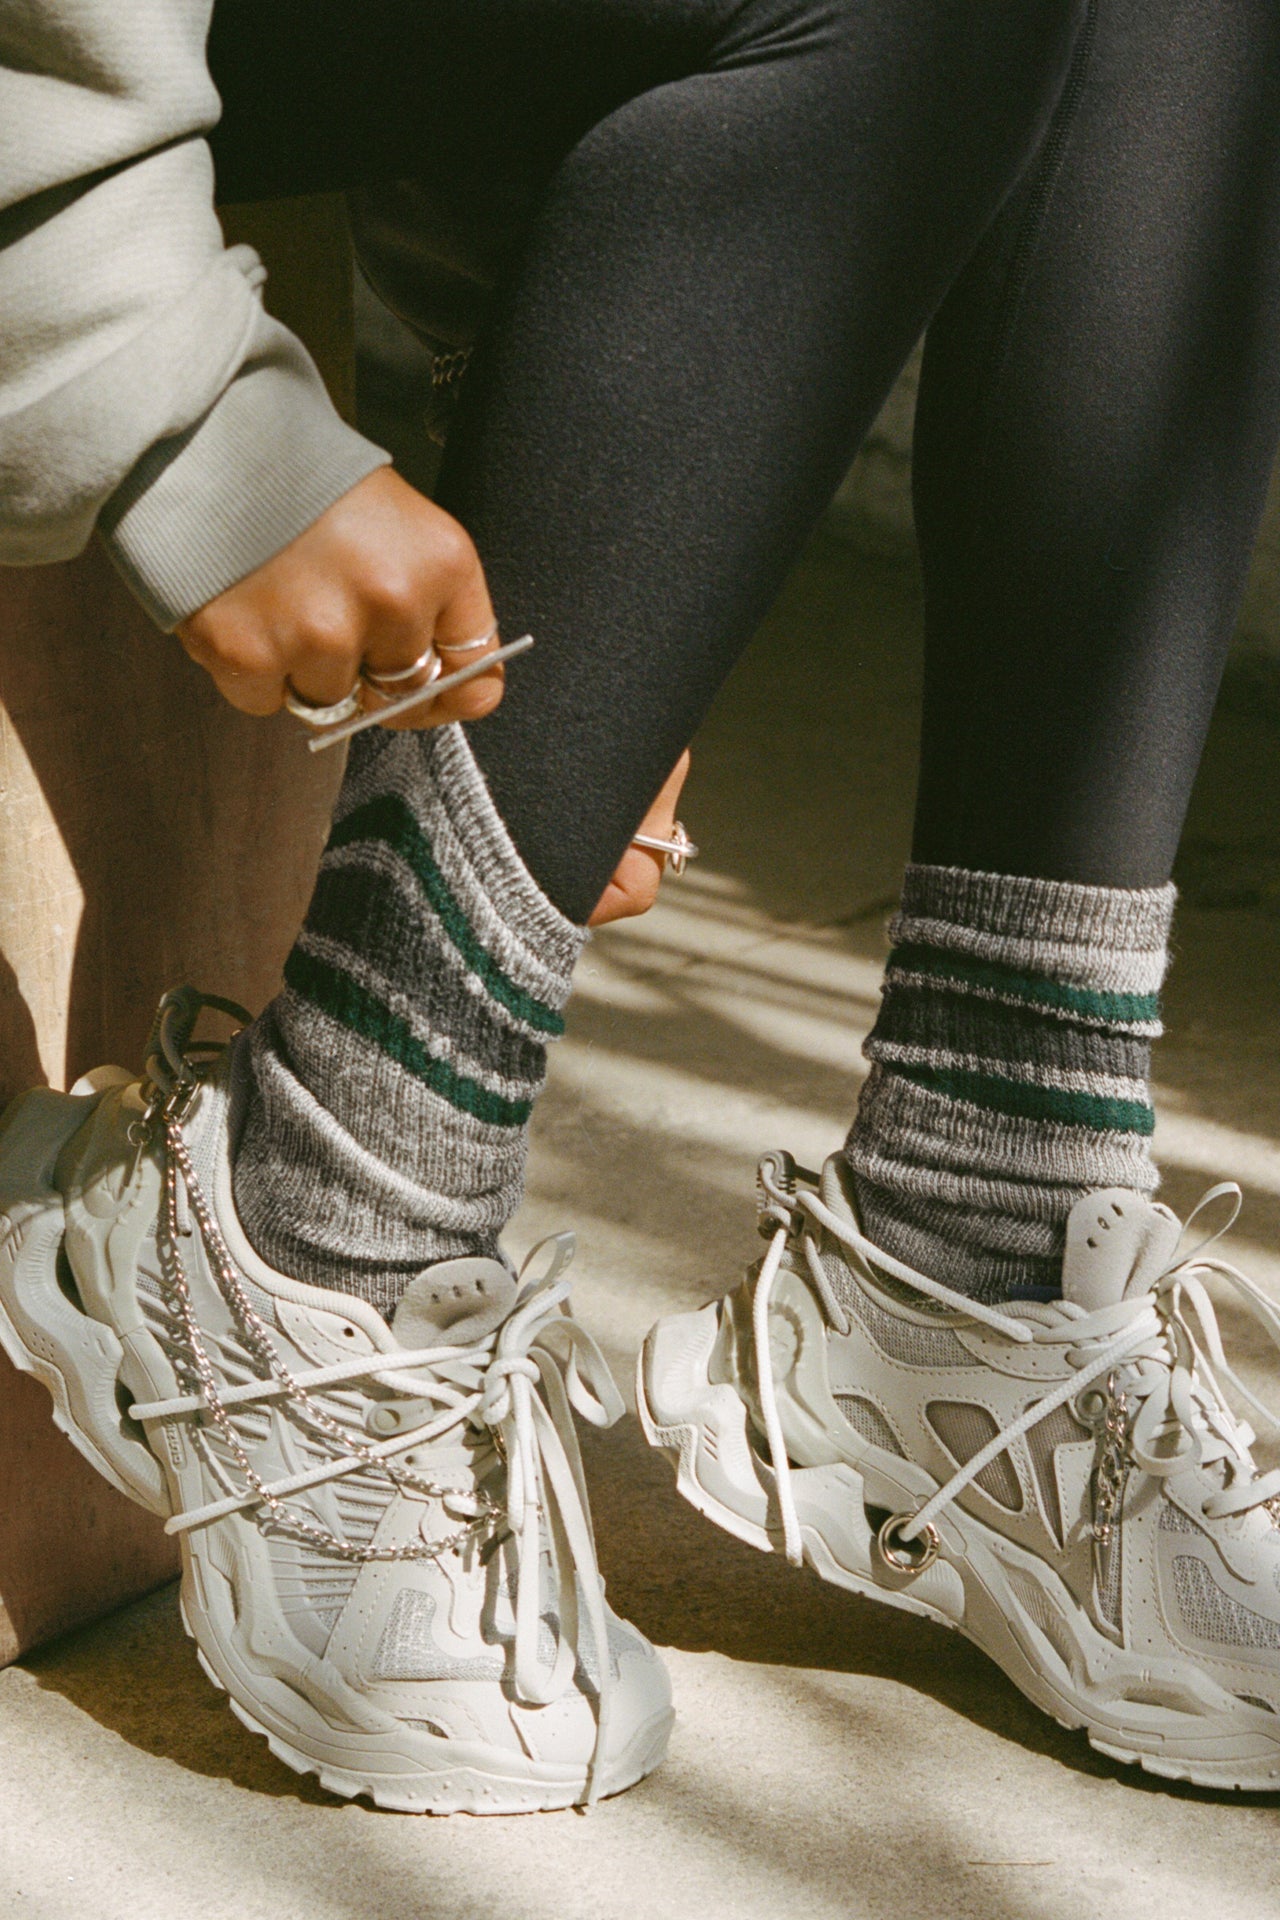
640, 502
1062, 1479
1097, 422
637, 459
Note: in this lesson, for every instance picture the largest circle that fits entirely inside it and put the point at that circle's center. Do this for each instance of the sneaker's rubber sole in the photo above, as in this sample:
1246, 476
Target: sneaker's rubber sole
44, 1328
1167, 1718
349, 1763
46, 1331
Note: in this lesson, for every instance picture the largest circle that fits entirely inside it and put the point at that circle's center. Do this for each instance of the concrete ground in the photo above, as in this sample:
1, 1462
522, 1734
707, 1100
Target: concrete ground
832, 1758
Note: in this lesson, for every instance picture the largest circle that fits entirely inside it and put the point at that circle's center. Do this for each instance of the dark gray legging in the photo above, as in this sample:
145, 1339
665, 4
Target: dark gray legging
744, 213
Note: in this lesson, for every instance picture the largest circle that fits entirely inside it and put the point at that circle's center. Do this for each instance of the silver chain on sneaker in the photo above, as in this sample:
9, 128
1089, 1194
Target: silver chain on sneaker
1112, 1467
1164, 1346
274, 1515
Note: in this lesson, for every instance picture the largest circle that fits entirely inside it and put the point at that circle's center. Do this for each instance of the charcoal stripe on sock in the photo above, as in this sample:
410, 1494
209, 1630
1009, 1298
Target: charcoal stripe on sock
1085, 1003
1010, 1069
931, 1016
1000, 1095
387, 946
388, 819
355, 1008
387, 1088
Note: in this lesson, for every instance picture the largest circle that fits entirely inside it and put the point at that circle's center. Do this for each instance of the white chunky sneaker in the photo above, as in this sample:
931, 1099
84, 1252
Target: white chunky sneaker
1062, 1480
387, 1556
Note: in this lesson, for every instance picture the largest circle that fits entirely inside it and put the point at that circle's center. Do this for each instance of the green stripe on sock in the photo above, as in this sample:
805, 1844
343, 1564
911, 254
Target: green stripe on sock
1116, 1009
355, 1008
388, 819
1024, 1100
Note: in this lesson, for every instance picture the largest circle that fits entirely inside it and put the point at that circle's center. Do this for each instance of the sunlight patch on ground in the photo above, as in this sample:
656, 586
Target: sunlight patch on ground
829, 1043
1220, 1152
646, 1095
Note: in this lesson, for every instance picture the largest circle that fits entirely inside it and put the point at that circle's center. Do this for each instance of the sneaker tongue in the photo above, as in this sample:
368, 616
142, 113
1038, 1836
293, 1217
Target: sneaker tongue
1118, 1242
459, 1300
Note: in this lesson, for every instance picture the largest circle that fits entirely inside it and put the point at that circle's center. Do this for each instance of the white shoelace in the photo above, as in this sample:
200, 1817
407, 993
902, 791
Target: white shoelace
493, 1384
1182, 1418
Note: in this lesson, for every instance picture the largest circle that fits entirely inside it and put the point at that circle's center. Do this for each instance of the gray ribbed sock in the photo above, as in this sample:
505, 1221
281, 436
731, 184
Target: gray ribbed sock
1010, 1070
389, 1084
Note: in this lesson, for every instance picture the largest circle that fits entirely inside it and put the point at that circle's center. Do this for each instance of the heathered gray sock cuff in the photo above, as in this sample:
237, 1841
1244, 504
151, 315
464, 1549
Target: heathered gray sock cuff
391, 1081
1111, 939
1010, 1069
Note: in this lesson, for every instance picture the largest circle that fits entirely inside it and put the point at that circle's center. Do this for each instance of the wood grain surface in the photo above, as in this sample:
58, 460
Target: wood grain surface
148, 835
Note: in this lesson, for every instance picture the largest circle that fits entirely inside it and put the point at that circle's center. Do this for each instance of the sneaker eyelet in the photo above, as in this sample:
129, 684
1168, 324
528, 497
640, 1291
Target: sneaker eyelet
1090, 1406
907, 1556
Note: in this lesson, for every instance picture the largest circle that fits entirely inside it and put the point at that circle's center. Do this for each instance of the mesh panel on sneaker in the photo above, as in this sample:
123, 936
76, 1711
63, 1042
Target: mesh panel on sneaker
408, 1649
1211, 1614
963, 1430
1174, 1520
867, 1419
900, 1339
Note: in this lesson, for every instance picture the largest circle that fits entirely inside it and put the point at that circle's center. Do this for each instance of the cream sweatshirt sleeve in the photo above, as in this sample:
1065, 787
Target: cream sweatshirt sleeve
142, 386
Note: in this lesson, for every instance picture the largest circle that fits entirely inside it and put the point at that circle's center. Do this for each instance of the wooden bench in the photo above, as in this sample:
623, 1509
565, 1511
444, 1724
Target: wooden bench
148, 835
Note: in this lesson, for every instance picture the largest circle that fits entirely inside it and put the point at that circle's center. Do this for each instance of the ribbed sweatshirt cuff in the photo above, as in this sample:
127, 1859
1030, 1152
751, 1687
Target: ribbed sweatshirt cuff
203, 509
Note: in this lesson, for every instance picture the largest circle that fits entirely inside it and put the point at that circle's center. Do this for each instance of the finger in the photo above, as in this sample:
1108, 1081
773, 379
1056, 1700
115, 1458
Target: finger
400, 658
466, 615
471, 701
633, 887
465, 634
252, 690
661, 817
412, 660
323, 664
250, 694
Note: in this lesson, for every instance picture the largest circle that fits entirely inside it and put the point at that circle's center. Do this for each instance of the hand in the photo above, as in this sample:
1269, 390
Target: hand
634, 886
374, 581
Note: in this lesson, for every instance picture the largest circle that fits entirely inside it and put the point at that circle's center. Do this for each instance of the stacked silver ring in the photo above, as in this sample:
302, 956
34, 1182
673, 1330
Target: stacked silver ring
427, 668
313, 714
469, 646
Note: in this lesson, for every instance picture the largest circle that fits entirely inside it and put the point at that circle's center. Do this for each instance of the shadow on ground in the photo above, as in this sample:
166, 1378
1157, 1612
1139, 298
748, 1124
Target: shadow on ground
834, 1756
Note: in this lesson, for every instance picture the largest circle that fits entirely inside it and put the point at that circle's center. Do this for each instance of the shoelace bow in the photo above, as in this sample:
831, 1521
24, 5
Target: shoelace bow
492, 1386
1183, 1418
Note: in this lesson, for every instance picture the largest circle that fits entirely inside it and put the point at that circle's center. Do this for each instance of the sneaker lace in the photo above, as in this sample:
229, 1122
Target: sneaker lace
1163, 1347
519, 1385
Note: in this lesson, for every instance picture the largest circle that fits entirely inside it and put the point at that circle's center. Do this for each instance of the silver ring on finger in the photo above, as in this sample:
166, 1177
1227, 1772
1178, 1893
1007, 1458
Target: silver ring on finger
468, 646
427, 667
679, 849
316, 714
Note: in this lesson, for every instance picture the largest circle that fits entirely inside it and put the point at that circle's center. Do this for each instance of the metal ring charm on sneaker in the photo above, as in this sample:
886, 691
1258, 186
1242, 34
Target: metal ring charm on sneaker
679, 849
315, 714
907, 1556
427, 667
